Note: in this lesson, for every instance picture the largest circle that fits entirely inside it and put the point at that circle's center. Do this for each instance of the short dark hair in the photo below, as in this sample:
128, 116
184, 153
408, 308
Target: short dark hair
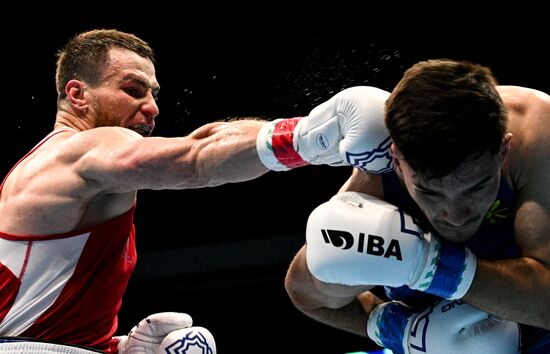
443, 113
85, 55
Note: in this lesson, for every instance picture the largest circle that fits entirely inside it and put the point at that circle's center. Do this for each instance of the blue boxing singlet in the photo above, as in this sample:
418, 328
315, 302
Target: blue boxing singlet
494, 240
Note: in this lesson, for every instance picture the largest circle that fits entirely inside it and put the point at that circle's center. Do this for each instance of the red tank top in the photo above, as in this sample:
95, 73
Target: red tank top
68, 287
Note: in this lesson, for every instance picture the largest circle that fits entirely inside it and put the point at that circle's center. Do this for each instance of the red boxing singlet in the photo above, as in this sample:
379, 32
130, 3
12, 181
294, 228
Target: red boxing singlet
68, 287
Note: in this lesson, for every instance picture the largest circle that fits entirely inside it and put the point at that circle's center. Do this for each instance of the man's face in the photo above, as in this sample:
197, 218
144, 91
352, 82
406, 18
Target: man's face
455, 204
127, 93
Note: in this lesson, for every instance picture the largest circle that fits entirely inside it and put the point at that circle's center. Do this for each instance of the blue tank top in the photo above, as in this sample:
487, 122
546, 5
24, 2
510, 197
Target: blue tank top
494, 239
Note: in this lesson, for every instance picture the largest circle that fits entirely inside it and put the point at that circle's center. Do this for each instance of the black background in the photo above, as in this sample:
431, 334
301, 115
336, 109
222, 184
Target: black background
221, 253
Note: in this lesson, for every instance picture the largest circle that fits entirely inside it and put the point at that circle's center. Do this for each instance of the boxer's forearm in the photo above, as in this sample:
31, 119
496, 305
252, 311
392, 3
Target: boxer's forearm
343, 307
350, 318
227, 153
515, 289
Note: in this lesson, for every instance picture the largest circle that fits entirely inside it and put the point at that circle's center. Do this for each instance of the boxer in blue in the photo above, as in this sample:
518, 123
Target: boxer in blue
457, 231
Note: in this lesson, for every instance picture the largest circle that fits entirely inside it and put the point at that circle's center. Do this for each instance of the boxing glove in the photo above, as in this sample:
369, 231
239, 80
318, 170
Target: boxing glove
357, 239
188, 340
450, 327
146, 336
348, 129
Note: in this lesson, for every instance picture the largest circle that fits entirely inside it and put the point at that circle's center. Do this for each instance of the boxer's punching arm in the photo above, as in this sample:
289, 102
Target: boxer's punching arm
347, 129
357, 239
340, 306
120, 160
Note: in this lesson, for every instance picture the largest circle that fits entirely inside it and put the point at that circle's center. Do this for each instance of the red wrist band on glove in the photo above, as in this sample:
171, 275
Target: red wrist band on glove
282, 143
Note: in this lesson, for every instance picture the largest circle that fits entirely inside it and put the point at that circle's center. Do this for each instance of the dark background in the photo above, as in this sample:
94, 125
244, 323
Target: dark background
221, 253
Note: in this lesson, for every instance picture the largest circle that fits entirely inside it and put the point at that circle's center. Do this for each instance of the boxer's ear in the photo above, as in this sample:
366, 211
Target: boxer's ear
505, 146
75, 95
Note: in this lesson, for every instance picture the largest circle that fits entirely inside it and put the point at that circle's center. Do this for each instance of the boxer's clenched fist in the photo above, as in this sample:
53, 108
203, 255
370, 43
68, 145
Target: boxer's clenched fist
147, 335
348, 129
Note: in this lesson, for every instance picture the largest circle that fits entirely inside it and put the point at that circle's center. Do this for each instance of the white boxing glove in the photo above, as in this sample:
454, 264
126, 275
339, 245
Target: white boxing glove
348, 129
188, 341
450, 327
146, 336
357, 239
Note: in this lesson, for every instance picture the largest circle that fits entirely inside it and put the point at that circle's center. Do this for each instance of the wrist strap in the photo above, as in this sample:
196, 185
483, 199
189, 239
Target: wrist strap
283, 143
387, 325
449, 270
275, 145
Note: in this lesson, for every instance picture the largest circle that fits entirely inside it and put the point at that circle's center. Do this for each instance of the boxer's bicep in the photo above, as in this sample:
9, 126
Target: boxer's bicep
532, 228
531, 175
